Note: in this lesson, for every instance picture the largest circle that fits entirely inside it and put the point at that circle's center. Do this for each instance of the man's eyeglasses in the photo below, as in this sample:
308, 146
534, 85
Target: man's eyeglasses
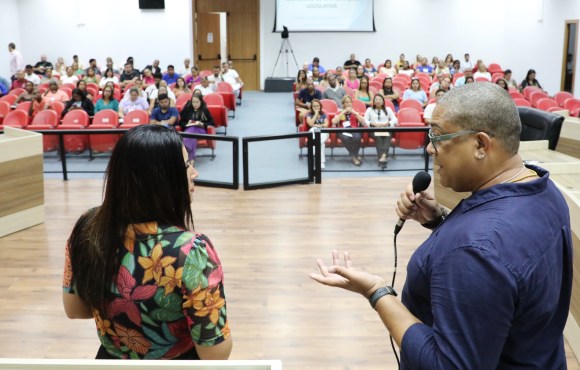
434, 139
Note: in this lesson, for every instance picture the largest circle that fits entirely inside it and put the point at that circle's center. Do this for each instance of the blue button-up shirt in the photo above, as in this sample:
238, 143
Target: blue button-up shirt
492, 283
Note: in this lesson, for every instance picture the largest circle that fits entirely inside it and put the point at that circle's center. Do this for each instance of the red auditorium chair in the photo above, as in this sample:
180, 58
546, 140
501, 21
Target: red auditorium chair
10, 99
494, 68
205, 73
573, 105
481, 79
208, 144
522, 102
546, 103
74, 120
58, 107
537, 95
23, 106
302, 142
4, 109
529, 90
69, 85
17, 91
496, 76
106, 119
93, 85
409, 117
562, 96
411, 103
67, 90
516, 95
219, 112
135, 118
227, 93
377, 85
46, 120
456, 76
16, 118
182, 100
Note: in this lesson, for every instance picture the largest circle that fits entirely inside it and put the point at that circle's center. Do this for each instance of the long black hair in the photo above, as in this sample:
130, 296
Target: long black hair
146, 180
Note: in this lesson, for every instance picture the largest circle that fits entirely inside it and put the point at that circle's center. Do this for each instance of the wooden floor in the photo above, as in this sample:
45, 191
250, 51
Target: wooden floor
268, 241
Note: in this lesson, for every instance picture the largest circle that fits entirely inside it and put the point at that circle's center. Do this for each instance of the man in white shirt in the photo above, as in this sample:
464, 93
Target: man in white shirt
205, 88
232, 77
215, 78
29, 75
467, 64
186, 68
430, 107
16, 60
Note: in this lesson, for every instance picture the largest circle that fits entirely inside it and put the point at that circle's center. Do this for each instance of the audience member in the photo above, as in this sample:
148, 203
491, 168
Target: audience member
19, 81
205, 87
400, 63
416, 93
186, 67
129, 75
194, 78
110, 65
502, 83
324, 82
139, 86
79, 101
351, 81
305, 97
449, 61
231, 77
77, 71
60, 67
352, 62
305, 68
510, 81
16, 60
316, 63
154, 68
469, 79
406, 69
80, 65
109, 77
364, 92
369, 69
195, 119
316, 119
455, 67
162, 90
37, 104
360, 72
148, 78
442, 68
31, 76
339, 77
93, 66
388, 92
215, 77
48, 76
430, 107
378, 115
153, 87
91, 77
4, 86
301, 79
316, 77
482, 72
82, 85
40, 67
54, 94
164, 114
467, 64
348, 117
333, 91
180, 87
388, 69
28, 93
424, 67
135, 102
530, 80
461, 80
107, 101
170, 77
418, 60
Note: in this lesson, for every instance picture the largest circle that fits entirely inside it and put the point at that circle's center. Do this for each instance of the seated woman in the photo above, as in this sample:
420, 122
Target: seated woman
469, 80
60, 67
69, 77
301, 79
369, 69
195, 119
364, 93
134, 102
360, 72
442, 69
82, 85
135, 265
180, 87
194, 79
406, 69
79, 101
77, 71
388, 69
28, 93
107, 101
148, 78
108, 77
503, 84
482, 72
352, 81
163, 89
339, 78
449, 62
317, 119
380, 116
455, 67
530, 80
434, 62
37, 104
316, 76
416, 93
92, 77
348, 117
49, 75
388, 92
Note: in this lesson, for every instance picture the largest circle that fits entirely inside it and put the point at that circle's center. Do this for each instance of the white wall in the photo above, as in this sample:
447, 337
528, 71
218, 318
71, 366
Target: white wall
506, 32
9, 32
98, 29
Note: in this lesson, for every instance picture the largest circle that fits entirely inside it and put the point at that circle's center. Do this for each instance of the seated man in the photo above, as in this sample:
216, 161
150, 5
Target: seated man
31, 76
129, 75
93, 66
153, 87
205, 87
54, 94
48, 76
352, 62
215, 78
40, 67
19, 82
164, 114
430, 107
334, 91
170, 77
424, 67
231, 76
186, 67
154, 68
305, 97
316, 63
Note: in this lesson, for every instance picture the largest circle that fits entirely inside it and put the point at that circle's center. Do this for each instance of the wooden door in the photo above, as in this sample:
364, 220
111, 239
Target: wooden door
242, 47
208, 40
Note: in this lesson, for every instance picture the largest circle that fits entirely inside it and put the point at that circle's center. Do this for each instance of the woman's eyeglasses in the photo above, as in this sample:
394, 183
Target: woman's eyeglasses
190, 163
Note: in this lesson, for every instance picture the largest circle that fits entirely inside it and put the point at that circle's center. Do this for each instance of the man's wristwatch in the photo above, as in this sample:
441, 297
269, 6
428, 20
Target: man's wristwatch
434, 223
379, 293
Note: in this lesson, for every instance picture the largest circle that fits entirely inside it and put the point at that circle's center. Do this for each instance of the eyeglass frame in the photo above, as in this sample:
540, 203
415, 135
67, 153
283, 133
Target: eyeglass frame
434, 139
190, 163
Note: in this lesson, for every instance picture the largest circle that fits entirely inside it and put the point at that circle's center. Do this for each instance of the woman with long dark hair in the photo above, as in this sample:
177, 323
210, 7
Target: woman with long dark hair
195, 119
530, 80
380, 116
153, 286
79, 101
388, 92
364, 93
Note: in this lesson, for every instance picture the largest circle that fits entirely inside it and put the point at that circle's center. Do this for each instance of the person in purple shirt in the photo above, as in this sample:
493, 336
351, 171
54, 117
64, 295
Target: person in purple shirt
170, 77
164, 114
490, 288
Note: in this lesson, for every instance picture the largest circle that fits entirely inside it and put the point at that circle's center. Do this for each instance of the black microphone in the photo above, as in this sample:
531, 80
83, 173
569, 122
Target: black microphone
421, 182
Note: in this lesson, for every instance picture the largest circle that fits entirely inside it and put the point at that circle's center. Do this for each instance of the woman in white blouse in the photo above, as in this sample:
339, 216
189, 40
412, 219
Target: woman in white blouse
108, 77
380, 116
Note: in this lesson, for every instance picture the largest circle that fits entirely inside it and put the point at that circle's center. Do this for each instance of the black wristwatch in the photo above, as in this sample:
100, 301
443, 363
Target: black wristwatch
433, 224
379, 293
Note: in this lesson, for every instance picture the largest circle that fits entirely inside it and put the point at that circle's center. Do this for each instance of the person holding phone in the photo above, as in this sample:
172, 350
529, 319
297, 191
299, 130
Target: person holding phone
195, 119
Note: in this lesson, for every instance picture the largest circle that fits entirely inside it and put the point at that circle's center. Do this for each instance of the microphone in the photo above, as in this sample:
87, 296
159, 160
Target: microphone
421, 182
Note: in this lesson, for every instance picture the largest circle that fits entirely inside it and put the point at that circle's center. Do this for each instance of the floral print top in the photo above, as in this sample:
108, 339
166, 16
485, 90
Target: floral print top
168, 294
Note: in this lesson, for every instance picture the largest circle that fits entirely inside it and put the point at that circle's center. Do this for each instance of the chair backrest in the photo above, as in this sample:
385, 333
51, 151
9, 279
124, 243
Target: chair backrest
571, 103
411, 140
10, 99
522, 102
494, 68
516, 94
224, 87
540, 125
329, 106
537, 95
528, 90
562, 96
376, 85
136, 117
67, 90
17, 91
16, 118
403, 76
546, 103
389, 104
205, 73
45, 117
23, 106
76, 117
406, 115
68, 85
359, 106
496, 76
4, 107
457, 75
106, 117
213, 99
411, 103
481, 79
182, 100
93, 86
57, 106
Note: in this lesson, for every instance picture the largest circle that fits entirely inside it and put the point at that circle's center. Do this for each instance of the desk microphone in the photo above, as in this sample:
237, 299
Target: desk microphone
421, 182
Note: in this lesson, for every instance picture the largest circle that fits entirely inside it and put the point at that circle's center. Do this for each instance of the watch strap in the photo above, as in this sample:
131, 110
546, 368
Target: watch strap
379, 293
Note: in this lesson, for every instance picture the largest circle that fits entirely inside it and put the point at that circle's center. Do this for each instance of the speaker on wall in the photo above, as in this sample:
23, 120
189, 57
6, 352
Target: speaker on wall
151, 4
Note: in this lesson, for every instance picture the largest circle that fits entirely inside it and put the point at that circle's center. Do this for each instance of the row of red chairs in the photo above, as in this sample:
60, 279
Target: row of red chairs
534, 97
